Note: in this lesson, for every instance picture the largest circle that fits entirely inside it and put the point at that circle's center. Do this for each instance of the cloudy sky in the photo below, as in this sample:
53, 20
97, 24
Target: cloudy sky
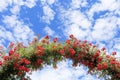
97, 21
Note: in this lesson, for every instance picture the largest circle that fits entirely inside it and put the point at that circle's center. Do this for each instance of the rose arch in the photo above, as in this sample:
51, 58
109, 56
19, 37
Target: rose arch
21, 60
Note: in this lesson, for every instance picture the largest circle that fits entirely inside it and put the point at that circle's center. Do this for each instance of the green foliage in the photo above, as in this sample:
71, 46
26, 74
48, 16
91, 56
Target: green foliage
21, 60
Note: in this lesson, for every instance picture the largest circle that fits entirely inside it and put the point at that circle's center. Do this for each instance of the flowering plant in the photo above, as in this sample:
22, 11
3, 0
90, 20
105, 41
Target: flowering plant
21, 60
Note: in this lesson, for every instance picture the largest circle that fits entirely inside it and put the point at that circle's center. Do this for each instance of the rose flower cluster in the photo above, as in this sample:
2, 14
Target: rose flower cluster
19, 60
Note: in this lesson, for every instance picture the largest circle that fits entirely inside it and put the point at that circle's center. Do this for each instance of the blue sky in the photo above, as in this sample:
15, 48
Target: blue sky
97, 21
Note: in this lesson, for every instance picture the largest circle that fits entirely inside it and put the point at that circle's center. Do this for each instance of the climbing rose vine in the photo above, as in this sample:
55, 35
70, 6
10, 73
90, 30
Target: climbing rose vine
20, 60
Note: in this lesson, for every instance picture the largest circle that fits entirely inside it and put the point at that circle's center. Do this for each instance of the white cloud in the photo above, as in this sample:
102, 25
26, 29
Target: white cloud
15, 30
77, 31
101, 29
1, 42
105, 28
48, 14
30, 3
4, 4
10, 21
76, 4
110, 5
63, 72
75, 22
15, 5
103, 5
49, 31
114, 45
89, 77
27, 3
78, 18
49, 2
15, 10
117, 45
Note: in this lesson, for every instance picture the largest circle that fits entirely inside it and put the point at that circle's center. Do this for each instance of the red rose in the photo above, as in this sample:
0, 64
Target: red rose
1, 47
47, 37
113, 53
11, 44
55, 39
68, 41
0, 63
6, 57
62, 51
11, 52
25, 61
103, 49
72, 51
39, 61
71, 36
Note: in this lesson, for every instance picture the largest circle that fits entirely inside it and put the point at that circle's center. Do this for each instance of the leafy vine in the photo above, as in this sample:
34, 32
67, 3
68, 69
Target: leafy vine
21, 60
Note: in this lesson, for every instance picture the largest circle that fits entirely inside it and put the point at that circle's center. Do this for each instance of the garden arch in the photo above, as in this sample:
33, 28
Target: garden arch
24, 59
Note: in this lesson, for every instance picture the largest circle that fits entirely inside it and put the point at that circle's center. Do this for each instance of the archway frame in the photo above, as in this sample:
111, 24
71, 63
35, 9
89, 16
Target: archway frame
25, 59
